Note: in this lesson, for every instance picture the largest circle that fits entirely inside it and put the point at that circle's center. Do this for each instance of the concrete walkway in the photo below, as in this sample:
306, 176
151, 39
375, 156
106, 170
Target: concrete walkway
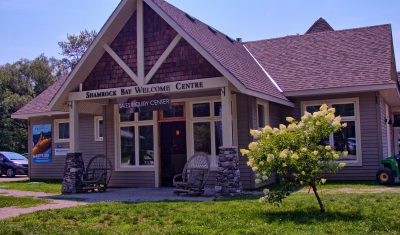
7, 212
133, 195
58, 201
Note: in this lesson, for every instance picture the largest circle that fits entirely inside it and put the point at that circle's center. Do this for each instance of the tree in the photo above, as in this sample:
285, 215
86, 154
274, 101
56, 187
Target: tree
74, 48
25, 79
19, 83
296, 153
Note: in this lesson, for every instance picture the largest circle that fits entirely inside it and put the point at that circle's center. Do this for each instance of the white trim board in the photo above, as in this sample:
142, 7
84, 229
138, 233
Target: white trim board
107, 34
206, 84
263, 69
122, 64
162, 58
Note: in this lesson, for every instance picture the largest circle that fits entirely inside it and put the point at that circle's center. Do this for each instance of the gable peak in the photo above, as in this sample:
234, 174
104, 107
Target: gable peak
321, 25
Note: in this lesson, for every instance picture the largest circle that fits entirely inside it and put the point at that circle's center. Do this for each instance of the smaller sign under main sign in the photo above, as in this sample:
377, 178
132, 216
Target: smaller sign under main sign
145, 104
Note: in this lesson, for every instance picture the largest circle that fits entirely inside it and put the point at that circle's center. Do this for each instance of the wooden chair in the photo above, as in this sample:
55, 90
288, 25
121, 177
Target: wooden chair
97, 174
194, 176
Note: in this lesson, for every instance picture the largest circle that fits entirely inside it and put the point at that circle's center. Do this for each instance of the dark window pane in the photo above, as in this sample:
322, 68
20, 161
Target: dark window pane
312, 109
145, 116
261, 116
344, 109
346, 141
218, 136
202, 137
127, 146
396, 121
201, 110
146, 145
126, 117
101, 128
174, 111
63, 130
217, 109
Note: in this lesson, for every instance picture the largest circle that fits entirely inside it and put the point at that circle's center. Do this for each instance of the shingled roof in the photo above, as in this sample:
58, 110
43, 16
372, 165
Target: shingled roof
40, 104
328, 59
231, 54
320, 59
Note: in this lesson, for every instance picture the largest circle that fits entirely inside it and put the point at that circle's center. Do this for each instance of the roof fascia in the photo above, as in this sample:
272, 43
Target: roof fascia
339, 90
32, 115
235, 82
97, 42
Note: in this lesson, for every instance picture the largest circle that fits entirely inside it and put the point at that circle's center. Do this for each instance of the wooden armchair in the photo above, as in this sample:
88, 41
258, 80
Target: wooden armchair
194, 176
97, 174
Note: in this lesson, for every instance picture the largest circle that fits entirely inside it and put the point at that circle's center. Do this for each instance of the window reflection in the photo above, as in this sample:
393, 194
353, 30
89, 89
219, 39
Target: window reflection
146, 145
345, 140
127, 146
218, 136
202, 137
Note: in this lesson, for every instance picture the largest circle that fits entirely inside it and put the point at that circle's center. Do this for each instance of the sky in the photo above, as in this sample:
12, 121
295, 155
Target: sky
31, 27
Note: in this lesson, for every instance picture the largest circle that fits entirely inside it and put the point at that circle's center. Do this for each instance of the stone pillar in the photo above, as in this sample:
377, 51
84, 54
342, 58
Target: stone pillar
73, 172
228, 176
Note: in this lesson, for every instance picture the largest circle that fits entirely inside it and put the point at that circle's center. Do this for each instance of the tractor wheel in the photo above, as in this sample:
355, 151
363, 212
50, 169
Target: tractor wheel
384, 176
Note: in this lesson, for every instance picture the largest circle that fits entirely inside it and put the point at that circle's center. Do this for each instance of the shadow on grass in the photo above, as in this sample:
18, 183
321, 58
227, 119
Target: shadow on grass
310, 216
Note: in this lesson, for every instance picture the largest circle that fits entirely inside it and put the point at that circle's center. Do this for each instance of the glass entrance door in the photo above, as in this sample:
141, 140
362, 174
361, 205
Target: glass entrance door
172, 149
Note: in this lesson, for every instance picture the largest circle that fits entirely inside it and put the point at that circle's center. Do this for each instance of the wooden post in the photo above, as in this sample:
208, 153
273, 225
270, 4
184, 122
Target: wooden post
226, 103
74, 127
140, 42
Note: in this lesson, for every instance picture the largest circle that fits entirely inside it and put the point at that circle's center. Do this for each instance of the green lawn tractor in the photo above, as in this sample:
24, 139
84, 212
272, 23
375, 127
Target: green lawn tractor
390, 173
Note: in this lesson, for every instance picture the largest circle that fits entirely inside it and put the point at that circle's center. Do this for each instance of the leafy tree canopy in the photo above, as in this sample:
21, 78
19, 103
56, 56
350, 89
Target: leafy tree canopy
25, 79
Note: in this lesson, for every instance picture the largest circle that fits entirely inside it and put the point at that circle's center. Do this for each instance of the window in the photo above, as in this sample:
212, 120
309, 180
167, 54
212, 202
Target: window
61, 130
136, 143
98, 128
206, 127
262, 114
176, 111
349, 138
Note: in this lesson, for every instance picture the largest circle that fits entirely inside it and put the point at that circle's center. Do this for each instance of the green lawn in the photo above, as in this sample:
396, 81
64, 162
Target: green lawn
346, 214
6, 201
48, 186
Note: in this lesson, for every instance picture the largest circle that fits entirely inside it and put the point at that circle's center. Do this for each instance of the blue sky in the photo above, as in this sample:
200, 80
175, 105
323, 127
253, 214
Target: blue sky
31, 27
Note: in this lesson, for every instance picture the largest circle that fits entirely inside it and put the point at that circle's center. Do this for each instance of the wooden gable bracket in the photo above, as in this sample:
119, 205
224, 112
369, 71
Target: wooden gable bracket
121, 63
162, 58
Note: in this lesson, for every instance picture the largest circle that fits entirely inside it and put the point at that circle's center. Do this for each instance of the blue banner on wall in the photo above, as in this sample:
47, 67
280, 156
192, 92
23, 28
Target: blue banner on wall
41, 138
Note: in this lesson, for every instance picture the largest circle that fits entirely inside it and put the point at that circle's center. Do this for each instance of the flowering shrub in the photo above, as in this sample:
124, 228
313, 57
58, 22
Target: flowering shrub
296, 153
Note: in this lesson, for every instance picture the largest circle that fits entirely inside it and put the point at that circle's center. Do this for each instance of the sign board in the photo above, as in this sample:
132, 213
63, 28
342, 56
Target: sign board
41, 142
145, 104
61, 152
151, 89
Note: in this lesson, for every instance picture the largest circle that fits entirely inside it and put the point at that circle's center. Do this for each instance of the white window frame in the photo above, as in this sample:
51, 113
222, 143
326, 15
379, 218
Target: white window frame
356, 119
97, 120
211, 119
56, 130
265, 104
136, 124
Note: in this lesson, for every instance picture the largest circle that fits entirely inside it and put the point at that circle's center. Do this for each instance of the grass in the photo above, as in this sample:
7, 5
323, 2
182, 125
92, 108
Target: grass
48, 186
6, 201
299, 214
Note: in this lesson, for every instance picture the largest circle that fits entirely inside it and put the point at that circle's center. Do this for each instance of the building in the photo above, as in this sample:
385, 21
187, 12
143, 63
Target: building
198, 89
